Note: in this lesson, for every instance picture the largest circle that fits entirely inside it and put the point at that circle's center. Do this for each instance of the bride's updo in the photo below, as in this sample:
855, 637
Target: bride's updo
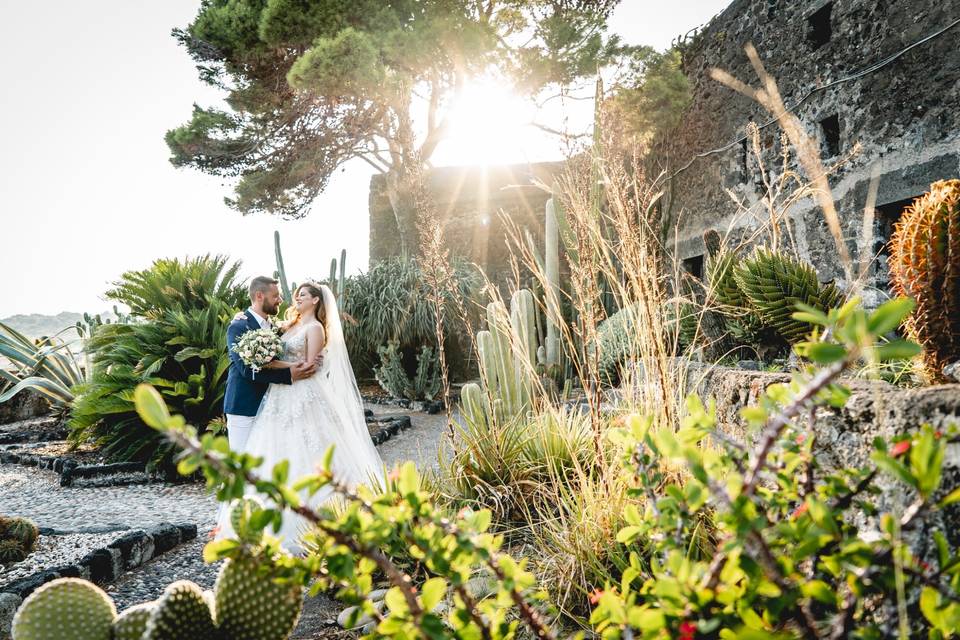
319, 312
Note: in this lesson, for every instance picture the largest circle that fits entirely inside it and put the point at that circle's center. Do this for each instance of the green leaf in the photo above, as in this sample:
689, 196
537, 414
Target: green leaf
214, 551
433, 592
409, 480
810, 314
950, 498
897, 350
889, 315
824, 352
628, 534
819, 590
151, 407
395, 601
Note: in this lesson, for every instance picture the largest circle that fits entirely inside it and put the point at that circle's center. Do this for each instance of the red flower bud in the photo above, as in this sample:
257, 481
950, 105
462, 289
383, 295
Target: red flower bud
687, 630
799, 511
595, 596
900, 448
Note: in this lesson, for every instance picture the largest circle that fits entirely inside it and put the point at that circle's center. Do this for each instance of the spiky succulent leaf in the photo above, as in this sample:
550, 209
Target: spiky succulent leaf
925, 266
250, 605
181, 613
65, 609
774, 283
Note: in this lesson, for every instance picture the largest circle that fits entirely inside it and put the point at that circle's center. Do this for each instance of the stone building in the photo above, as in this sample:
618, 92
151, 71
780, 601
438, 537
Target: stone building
883, 74
472, 203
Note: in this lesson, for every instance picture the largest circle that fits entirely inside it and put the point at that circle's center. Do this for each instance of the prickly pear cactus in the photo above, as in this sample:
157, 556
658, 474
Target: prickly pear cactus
132, 623
240, 514
250, 606
181, 613
65, 609
925, 266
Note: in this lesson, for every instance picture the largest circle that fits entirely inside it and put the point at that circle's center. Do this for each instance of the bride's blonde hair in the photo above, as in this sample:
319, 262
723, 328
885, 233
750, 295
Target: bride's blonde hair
319, 312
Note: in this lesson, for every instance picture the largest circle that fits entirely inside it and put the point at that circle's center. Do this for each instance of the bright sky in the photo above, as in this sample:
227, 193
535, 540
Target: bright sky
86, 189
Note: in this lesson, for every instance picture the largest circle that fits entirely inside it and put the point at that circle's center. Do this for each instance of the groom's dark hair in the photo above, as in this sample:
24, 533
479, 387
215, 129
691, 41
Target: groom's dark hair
261, 284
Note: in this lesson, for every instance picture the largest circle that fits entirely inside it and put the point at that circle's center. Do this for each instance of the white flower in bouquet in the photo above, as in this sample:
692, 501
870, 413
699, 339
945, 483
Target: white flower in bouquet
257, 348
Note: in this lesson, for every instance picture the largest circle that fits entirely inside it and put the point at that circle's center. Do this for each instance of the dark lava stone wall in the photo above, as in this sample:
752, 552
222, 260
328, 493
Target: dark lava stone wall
906, 115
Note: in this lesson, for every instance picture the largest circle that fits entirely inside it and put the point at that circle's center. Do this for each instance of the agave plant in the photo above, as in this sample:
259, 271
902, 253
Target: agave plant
47, 366
176, 343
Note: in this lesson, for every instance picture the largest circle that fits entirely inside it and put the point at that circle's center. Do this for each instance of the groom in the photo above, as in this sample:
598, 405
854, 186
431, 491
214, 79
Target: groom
244, 390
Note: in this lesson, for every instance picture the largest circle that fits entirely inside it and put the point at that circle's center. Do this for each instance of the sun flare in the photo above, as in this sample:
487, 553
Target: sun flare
489, 124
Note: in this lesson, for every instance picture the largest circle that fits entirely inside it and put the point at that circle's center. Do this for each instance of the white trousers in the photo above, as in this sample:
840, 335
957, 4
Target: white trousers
238, 431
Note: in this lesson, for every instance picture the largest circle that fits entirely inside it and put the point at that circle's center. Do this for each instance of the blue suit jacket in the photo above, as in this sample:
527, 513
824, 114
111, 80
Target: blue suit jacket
244, 390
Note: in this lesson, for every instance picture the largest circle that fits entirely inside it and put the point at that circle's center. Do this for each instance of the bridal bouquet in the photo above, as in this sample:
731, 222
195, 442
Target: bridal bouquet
257, 348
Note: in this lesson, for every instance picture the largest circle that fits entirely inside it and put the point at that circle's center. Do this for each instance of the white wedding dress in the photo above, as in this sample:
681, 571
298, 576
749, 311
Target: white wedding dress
300, 421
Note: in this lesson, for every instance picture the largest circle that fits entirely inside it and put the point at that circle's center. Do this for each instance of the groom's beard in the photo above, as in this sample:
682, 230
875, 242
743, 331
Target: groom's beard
270, 310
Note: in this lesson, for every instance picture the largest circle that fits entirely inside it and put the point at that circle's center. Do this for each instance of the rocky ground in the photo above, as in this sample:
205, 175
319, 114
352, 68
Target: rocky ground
36, 494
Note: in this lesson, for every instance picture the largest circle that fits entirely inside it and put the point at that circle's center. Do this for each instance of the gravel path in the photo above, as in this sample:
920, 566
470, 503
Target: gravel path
36, 494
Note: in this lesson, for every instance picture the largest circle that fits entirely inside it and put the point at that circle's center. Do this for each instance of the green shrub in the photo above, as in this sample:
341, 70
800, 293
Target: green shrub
176, 341
425, 384
391, 303
798, 551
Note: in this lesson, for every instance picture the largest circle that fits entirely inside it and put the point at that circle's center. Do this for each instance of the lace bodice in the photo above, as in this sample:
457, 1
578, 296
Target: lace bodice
295, 348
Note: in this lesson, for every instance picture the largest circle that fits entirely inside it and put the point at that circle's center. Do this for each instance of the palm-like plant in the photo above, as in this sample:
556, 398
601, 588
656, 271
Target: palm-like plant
177, 343
47, 366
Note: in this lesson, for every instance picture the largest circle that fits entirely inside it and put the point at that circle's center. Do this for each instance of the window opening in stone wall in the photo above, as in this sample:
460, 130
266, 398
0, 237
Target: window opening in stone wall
830, 127
819, 29
886, 217
694, 266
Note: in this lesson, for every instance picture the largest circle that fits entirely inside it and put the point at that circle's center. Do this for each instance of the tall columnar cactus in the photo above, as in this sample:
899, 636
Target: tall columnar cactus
925, 266
65, 609
552, 260
281, 273
774, 283
508, 356
337, 282
342, 282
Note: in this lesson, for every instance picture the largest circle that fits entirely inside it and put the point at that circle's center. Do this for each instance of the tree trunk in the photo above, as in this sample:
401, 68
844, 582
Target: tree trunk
402, 197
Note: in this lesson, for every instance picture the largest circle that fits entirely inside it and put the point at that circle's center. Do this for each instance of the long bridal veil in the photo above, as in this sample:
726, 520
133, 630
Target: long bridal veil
345, 397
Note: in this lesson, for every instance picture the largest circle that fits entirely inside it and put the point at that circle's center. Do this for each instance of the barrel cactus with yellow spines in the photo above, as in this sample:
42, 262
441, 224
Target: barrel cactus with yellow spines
925, 266
774, 283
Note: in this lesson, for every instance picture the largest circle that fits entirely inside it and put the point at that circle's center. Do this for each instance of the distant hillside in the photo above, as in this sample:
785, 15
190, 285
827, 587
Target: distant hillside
36, 325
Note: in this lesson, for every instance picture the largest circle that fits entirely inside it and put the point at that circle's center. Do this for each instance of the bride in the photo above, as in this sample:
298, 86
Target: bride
299, 422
